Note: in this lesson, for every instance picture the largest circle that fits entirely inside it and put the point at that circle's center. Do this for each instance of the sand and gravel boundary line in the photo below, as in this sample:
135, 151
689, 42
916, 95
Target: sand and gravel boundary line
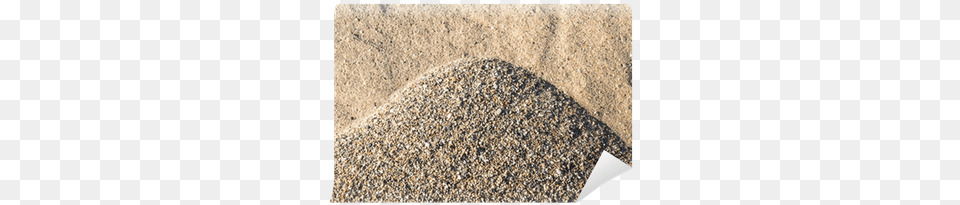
584, 50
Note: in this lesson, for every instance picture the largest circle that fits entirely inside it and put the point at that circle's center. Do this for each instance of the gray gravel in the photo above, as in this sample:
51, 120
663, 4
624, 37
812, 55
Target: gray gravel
476, 130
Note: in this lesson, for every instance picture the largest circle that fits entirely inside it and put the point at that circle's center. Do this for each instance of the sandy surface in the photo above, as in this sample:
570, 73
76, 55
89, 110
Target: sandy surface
476, 130
584, 50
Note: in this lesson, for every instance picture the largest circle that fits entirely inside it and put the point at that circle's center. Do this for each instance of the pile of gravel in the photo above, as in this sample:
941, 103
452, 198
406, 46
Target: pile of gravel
476, 130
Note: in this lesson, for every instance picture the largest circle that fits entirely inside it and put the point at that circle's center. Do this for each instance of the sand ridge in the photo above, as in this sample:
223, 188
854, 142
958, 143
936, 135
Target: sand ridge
584, 50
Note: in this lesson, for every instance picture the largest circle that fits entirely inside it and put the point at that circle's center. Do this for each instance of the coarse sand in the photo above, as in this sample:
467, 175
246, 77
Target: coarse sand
475, 130
582, 49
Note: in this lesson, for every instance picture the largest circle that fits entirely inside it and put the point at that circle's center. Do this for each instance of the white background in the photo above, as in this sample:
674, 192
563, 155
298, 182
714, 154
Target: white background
230, 102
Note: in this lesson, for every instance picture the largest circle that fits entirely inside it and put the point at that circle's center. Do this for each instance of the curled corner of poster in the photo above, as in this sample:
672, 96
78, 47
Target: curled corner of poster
606, 169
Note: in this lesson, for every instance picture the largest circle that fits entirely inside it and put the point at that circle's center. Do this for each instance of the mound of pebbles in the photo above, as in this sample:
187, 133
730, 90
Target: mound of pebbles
476, 130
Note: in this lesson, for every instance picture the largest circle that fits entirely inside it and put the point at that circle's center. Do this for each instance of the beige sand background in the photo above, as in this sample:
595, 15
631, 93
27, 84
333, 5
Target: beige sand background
584, 50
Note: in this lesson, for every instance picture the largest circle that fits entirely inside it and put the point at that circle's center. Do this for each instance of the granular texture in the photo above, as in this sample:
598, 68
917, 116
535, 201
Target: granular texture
475, 130
582, 49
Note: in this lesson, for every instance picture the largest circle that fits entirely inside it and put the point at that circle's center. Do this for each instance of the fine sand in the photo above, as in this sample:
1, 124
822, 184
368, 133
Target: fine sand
476, 130
583, 50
